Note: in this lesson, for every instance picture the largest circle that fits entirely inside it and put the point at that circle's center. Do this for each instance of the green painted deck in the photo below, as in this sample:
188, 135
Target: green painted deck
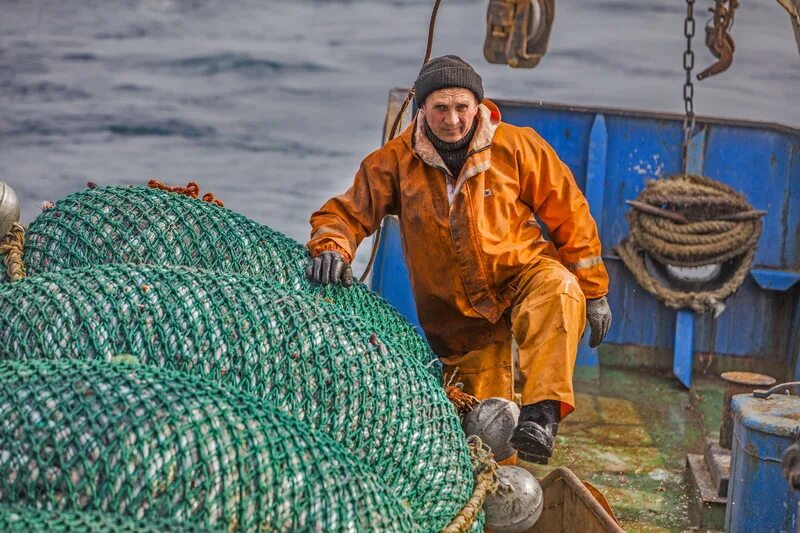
629, 437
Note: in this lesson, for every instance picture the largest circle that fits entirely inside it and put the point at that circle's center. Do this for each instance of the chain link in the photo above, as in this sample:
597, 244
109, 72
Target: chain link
688, 87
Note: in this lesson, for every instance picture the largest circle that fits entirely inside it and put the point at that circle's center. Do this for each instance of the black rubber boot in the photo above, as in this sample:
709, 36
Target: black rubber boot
535, 434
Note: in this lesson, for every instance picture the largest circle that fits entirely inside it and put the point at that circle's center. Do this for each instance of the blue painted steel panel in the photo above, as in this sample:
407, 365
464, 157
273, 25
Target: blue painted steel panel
759, 498
791, 253
594, 187
756, 163
684, 346
639, 150
567, 132
390, 276
755, 323
638, 317
596, 168
695, 154
762, 161
775, 280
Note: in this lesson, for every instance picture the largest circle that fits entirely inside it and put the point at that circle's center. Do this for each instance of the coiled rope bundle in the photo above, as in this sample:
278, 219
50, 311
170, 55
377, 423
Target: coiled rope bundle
691, 221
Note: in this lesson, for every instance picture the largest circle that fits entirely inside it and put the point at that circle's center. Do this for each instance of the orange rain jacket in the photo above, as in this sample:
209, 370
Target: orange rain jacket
466, 239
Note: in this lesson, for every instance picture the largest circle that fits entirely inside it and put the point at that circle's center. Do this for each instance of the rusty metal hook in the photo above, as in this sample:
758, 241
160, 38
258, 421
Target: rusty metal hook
718, 38
725, 55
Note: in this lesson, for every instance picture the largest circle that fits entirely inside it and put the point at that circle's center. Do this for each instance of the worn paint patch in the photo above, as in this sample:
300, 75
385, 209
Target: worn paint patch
653, 167
629, 437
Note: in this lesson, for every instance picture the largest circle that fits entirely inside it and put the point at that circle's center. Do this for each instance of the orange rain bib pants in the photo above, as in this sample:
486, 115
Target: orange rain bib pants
546, 318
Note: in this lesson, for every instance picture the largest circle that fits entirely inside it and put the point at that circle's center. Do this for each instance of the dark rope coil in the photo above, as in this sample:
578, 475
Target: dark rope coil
690, 221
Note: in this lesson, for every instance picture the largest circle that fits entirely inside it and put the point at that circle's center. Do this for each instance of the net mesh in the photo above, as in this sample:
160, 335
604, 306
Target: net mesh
305, 355
149, 443
149, 226
20, 519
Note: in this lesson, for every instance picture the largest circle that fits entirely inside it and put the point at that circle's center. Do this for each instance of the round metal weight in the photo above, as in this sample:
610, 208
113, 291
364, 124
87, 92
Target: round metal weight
517, 504
493, 420
9, 208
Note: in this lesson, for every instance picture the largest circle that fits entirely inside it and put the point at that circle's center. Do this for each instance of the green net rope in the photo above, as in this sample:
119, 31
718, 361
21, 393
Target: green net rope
20, 519
149, 226
307, 356
149, 443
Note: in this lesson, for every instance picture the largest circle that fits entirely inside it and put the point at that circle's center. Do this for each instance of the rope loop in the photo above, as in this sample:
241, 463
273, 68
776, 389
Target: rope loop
12, 247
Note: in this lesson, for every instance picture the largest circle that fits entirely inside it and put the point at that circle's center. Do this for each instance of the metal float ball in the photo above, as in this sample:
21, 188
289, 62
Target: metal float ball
9, 208
493, 420
517, 504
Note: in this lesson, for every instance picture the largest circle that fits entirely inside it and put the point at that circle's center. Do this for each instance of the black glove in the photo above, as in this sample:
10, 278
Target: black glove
330, 267
598, 314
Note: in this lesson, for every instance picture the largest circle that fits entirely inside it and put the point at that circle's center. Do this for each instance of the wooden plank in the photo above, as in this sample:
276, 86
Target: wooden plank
569, 507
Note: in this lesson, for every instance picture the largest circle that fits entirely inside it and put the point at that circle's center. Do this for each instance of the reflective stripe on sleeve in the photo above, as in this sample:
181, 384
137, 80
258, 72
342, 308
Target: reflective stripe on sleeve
585, 263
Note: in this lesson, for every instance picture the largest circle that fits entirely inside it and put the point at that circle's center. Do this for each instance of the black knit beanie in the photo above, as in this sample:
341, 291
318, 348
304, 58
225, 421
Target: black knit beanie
444, 72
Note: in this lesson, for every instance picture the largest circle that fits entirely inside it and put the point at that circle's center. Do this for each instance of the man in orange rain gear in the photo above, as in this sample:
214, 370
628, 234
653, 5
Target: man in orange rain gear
466, 187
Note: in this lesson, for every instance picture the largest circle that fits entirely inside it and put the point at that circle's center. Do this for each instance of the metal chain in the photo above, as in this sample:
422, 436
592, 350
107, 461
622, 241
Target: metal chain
688, 87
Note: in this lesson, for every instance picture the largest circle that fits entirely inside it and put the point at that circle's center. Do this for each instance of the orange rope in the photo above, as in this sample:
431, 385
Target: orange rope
209, 197
192, 190
461, 400
454, 390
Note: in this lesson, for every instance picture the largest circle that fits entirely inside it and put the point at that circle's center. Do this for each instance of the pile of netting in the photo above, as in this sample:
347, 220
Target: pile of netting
21, 519
150, 443
144, 225
691, 221
188, 288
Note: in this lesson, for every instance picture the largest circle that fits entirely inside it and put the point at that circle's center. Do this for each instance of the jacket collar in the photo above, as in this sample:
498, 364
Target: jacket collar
488, 119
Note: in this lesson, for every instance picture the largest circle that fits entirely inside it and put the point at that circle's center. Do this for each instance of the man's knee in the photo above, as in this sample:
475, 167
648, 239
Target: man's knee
567, 283
553, 282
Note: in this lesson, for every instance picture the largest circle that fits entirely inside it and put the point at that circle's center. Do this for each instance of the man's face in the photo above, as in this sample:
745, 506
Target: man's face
450, 112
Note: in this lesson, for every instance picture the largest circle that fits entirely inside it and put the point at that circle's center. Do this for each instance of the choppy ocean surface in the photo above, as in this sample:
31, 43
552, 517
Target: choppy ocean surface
272, 104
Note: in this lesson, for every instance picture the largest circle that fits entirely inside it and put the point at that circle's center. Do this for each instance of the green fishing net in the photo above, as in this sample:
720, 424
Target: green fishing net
149, 443
143, 225
308, 357
20, 519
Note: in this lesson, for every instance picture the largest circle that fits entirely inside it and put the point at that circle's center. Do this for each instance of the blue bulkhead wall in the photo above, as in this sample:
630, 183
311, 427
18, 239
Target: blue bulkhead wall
760, 160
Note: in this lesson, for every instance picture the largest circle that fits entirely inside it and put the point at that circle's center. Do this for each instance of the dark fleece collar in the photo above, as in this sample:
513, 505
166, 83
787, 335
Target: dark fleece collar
453, 154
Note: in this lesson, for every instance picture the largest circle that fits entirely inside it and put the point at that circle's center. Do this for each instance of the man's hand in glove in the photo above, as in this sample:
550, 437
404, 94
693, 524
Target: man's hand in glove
598, 314
330, 267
